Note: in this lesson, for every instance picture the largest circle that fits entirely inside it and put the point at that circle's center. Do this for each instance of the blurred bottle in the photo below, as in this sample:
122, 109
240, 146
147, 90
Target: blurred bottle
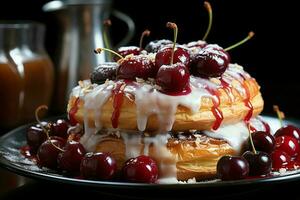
26, 72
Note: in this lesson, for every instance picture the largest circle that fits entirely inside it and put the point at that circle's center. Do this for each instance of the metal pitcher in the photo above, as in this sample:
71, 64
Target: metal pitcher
81, 22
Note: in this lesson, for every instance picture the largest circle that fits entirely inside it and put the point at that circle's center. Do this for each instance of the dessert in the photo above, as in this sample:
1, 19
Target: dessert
167, 111
183, 107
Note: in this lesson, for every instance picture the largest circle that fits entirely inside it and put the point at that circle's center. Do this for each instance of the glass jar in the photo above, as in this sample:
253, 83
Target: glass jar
26, 72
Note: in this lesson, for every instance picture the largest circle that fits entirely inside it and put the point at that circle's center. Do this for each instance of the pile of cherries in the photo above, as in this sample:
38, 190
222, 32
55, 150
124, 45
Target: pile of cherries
54, 147
171, 67
270, 153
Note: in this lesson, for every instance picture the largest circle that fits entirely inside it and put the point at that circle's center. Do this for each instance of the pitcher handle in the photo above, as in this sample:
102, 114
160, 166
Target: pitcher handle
130, 25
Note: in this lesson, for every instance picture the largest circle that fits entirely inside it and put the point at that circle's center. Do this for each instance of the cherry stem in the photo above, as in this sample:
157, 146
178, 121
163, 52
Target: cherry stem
210, 15
175, 29
107, 24
99, 50
44, 107
250, 35
280, 114
145, 33
250, 137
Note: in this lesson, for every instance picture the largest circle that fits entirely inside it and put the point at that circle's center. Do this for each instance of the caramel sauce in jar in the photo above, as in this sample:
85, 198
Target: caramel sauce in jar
26, 73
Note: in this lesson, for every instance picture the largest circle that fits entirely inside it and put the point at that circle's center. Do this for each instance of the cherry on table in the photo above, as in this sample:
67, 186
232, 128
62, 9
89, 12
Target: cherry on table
98, 166
287, 144
48, 153
69, 160
142, 169
260, 163
263, 141
232, 168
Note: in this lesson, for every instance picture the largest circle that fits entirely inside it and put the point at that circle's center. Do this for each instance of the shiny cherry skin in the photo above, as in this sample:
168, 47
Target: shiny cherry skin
232, 168
35, 136
98, 166
47, 153
173, 78
289, 130
60, 128
287, 144
209, 62
125, 51
69, 160
103, 72
163, 56
156, 45
259, 163
263, 141
280, 159
136, 67
141, 169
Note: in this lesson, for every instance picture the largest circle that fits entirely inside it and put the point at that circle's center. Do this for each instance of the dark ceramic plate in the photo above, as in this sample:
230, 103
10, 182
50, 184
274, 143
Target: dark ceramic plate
11, 159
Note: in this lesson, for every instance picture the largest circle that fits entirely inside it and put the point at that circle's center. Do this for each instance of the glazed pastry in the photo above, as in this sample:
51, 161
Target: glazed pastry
143, 106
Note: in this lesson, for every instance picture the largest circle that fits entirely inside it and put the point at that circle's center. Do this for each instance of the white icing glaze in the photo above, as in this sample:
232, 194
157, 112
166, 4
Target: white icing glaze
235, 134
149, 101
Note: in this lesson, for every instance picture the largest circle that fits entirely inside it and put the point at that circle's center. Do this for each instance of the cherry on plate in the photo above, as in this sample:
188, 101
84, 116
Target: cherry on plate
259, 163
263, 141
142, 169
98, 166
69, 160
232, 168
280, 159
287, 144
288, 130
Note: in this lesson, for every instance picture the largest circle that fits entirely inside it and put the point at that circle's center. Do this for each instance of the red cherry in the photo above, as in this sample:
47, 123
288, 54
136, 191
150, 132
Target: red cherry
99, 166
69, 160
163, 57
142, 169
136, 67
47, 153
125, 51
209, 62
280, 159
35, 136
287, 144
232, 168
289, 130
260, 163
173, 78
263, 141
60, 128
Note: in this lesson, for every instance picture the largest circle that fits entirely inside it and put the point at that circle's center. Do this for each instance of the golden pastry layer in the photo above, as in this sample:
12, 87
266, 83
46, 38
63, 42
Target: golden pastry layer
185, 158
232, 105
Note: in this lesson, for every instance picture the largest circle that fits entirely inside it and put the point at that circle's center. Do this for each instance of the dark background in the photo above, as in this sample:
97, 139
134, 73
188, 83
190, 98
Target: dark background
271, 56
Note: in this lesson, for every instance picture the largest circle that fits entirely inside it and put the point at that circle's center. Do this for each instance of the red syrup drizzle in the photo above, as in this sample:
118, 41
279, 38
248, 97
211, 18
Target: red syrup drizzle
72, 113
25, 151
117, 103
247, 101
215, 110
